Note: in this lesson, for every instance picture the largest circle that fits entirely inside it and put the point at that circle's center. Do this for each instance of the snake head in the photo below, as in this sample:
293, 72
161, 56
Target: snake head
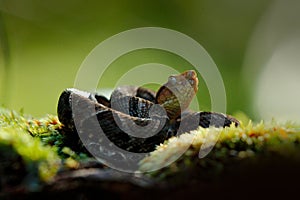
176, 95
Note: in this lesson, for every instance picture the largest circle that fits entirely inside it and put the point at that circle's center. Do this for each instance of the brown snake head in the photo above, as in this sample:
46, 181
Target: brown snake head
176, 95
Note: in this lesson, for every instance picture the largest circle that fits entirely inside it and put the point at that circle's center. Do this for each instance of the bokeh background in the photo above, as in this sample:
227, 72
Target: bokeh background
255, 44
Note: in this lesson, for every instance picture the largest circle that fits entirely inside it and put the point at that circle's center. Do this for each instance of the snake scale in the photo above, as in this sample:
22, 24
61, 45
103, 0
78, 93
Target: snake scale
137, 119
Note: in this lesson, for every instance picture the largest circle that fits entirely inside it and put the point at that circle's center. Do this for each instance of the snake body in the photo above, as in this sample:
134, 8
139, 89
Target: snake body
136, 119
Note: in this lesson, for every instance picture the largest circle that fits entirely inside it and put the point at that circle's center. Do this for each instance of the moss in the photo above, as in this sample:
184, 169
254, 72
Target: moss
48, 129
32, 150
37, 147
24, 153
232, 144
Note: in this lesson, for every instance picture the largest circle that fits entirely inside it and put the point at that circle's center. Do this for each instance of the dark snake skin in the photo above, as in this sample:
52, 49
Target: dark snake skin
135, 119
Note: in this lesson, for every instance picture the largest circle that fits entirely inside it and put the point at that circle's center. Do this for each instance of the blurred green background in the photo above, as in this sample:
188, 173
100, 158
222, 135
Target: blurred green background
43, 44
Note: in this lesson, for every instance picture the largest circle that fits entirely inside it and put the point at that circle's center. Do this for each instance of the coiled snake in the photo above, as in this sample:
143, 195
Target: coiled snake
137, 119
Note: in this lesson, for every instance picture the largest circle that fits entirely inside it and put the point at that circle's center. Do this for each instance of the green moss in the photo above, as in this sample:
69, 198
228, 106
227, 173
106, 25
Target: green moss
46, 128
231, 144
38, 145
38, 158
32, 148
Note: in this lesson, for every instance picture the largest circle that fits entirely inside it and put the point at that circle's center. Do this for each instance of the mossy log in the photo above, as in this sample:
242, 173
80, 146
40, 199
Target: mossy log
253, 158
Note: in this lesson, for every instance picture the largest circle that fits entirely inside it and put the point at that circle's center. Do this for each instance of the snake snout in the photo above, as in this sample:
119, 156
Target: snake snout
190, 74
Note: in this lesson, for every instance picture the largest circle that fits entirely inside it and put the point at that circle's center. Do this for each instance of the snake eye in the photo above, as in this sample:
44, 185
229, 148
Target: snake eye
172, 80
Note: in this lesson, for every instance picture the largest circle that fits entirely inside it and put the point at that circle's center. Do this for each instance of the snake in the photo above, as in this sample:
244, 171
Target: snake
136, 119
